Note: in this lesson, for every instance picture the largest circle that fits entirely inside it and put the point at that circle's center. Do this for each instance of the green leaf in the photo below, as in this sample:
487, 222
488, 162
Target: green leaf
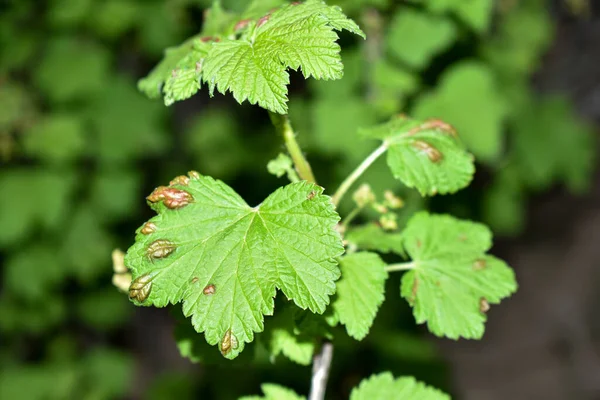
425, 155
415, 37
72, 69
295, 36
224, 259
467, 97
453, 278
476, 13
539, 131
33, 273
274, 392
384, 386
373, 237
284, 341
283, 165
56, 138
360, 292
35, 200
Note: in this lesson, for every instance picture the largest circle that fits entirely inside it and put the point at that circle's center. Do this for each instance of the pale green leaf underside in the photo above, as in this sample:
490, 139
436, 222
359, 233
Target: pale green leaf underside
254, 65
384, 386
360, 292
290, 345
374, 237
452, 274
274, 392
239, 255
425, 156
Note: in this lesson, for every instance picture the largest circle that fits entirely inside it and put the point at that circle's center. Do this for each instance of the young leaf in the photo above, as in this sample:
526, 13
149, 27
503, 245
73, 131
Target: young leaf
295, 36
373, 237
360, 292
476, 13
224, 259
384, 386
285, 342
453, 280
274, 392
425, 155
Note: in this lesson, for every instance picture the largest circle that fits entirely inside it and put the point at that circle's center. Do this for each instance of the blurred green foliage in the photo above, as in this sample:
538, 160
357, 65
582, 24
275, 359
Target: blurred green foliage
80, 148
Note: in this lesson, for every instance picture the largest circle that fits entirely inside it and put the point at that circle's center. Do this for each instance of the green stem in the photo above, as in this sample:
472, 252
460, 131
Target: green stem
349, 181
401, 266
284, 127
346, 221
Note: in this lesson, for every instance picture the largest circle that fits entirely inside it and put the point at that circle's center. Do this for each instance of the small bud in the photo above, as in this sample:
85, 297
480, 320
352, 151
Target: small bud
160, 248
172, 198
392, 201
484, 306
209, 290
228, 342
364, 195
194, 175
118, 259
122, 281
388, 222
140, 288
148, 228
433, 154
180, 180
480, 264
380, 208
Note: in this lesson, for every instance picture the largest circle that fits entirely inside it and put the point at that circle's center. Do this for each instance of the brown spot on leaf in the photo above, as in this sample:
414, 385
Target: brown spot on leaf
209, 39
160, 248
241, 25
462, 237
484, 306
432, 153
148, 228
228, 342
415, 288
419, 244
140, 288
194, 280
209, 290
172, 198
311, 195
263, 20
440, 125
180, 180
479, 264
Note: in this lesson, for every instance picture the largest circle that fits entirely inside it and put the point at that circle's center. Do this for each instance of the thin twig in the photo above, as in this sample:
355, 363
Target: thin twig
320, 372
284, 127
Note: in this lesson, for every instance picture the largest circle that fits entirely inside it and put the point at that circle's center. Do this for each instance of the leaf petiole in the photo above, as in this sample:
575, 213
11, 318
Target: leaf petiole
349, 181
401, 266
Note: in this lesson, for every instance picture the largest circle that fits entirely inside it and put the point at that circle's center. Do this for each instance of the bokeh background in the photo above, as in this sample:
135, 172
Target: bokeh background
80, 148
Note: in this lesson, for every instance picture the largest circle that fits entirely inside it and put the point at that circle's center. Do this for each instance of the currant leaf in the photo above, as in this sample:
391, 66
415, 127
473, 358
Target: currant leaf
384, 386
360, 292
453, 280
425, 155
224, 260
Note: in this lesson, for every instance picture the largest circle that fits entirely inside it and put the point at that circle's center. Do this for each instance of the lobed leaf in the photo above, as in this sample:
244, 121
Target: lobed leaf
275, 392
360, 292
453, 280
425, 155
224, 259
384, 386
